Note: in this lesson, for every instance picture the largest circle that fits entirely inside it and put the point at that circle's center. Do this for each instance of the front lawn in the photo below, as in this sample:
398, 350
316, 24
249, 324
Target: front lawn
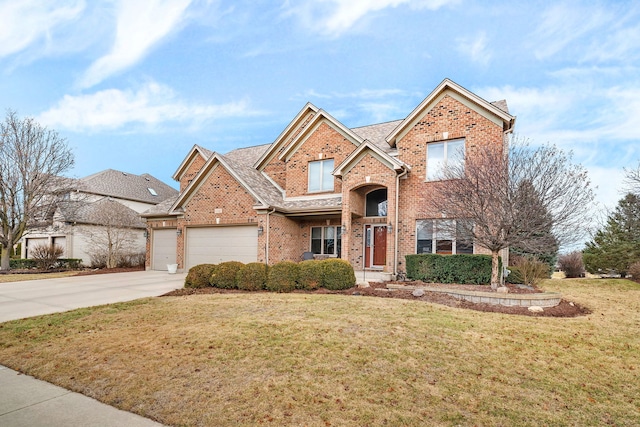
318, 360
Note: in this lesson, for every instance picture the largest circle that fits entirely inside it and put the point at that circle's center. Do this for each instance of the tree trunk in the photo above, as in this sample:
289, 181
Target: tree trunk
5, 255
495, 269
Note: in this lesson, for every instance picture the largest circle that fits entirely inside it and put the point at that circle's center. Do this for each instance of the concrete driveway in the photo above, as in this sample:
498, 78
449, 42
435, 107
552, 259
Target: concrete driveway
35, 297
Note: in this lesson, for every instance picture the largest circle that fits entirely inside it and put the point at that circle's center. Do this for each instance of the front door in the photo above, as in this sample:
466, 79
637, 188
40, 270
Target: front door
375, 248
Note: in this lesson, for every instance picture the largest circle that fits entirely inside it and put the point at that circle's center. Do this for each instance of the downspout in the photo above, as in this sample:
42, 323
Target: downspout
395, 251
266, 245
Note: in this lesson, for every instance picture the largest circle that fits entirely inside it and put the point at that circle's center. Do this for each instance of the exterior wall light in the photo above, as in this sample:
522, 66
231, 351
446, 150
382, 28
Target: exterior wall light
145, 234
179, 232
389, 228
343, 229
260, 230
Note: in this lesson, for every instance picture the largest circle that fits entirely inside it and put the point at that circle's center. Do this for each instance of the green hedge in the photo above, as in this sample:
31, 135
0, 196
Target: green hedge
252, 277
224, 276
283, 277
198, 276
310, 277
29, 264
463, 268
337, 274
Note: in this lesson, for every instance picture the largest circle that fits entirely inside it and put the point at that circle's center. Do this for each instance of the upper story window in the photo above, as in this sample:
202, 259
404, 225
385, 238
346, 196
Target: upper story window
376, 204
320, 176
441, 154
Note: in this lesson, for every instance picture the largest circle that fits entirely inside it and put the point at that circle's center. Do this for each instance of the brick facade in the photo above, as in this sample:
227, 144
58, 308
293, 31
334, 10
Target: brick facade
220, 199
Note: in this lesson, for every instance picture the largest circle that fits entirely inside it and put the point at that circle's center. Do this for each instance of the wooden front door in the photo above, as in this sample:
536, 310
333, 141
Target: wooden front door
375, 248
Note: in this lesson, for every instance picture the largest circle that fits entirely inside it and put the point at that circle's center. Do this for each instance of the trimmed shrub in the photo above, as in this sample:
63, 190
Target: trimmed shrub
337, 274
252, 277
198, 276
515, 277
224, 276
310, 274
283, 277
634, 271
462, 268
571, 264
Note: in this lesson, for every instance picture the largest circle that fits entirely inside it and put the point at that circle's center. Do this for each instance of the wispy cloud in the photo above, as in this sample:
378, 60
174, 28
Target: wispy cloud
140, 26
150, 106
475, 48
27, 22
335, 17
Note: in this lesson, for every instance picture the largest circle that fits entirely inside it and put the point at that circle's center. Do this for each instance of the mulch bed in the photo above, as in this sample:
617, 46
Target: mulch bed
564, 309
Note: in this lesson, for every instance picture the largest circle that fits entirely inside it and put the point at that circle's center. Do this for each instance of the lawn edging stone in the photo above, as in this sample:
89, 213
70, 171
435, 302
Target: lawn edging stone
539, 299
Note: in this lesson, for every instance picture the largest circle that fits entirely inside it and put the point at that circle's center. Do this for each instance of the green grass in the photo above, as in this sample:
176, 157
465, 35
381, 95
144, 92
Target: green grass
317, 360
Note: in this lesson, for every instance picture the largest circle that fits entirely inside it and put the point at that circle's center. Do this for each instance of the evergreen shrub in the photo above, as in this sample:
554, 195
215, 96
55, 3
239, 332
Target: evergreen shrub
224, 276
198, 276
252, 277
283, 277
310, 274
338, 274
462, 268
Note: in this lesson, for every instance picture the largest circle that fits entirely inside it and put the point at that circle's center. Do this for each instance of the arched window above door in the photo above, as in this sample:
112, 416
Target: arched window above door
376, 203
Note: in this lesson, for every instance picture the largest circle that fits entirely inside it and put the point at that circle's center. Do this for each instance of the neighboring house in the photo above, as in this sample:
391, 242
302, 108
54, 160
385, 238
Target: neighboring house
85, 210
326, 189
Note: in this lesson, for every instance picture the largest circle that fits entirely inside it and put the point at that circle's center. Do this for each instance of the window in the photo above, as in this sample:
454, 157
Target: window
376, 204
320, 176
326, 240
441, 154
444, 236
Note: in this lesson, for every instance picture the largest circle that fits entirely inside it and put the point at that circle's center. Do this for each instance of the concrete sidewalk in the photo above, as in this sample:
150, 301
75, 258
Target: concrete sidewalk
26, 401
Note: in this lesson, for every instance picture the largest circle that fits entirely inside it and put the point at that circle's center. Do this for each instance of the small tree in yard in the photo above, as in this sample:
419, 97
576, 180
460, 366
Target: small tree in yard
32, 160
513, 196
114, 232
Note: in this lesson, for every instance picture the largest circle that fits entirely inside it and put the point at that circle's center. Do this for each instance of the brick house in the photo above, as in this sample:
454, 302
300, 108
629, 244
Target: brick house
322, 189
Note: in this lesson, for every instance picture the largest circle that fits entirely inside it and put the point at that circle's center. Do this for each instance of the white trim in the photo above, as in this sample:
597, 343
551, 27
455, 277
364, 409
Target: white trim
322, 196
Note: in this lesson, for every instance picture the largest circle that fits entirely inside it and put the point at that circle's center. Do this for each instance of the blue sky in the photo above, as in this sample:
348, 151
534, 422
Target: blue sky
132, 85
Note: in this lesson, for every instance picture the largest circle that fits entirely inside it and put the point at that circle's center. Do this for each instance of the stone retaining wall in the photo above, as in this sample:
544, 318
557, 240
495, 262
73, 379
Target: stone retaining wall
544, 299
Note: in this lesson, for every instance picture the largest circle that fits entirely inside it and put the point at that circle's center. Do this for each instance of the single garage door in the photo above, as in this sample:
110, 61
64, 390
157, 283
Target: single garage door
163, 248
213, 245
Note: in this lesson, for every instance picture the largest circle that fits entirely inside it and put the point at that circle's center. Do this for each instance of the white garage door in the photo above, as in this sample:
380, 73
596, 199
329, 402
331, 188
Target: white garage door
163, 248
34, 242
213, 245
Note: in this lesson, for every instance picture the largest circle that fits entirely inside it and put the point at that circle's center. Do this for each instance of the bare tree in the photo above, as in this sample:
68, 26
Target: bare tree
114, 231
32, 160
513, 195
632, 180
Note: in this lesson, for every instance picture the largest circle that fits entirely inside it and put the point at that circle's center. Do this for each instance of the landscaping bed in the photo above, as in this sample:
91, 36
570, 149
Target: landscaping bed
379, 289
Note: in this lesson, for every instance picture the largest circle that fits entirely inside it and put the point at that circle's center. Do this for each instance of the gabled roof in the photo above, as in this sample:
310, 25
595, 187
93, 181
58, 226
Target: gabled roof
377, 152
196, 150
320, 117
251, 179
484, 107
112, 183
285, 135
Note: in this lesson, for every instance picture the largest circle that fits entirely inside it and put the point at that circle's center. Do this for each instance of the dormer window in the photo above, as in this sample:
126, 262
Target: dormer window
321, 176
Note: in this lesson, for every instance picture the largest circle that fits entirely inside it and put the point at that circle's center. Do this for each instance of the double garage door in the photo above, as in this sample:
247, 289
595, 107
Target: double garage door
213, 245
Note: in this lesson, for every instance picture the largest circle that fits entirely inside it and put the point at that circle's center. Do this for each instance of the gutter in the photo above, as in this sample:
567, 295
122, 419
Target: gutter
395, 252
266, 247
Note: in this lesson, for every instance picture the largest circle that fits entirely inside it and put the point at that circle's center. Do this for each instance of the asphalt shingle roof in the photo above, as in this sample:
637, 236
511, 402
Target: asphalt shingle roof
128, 186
